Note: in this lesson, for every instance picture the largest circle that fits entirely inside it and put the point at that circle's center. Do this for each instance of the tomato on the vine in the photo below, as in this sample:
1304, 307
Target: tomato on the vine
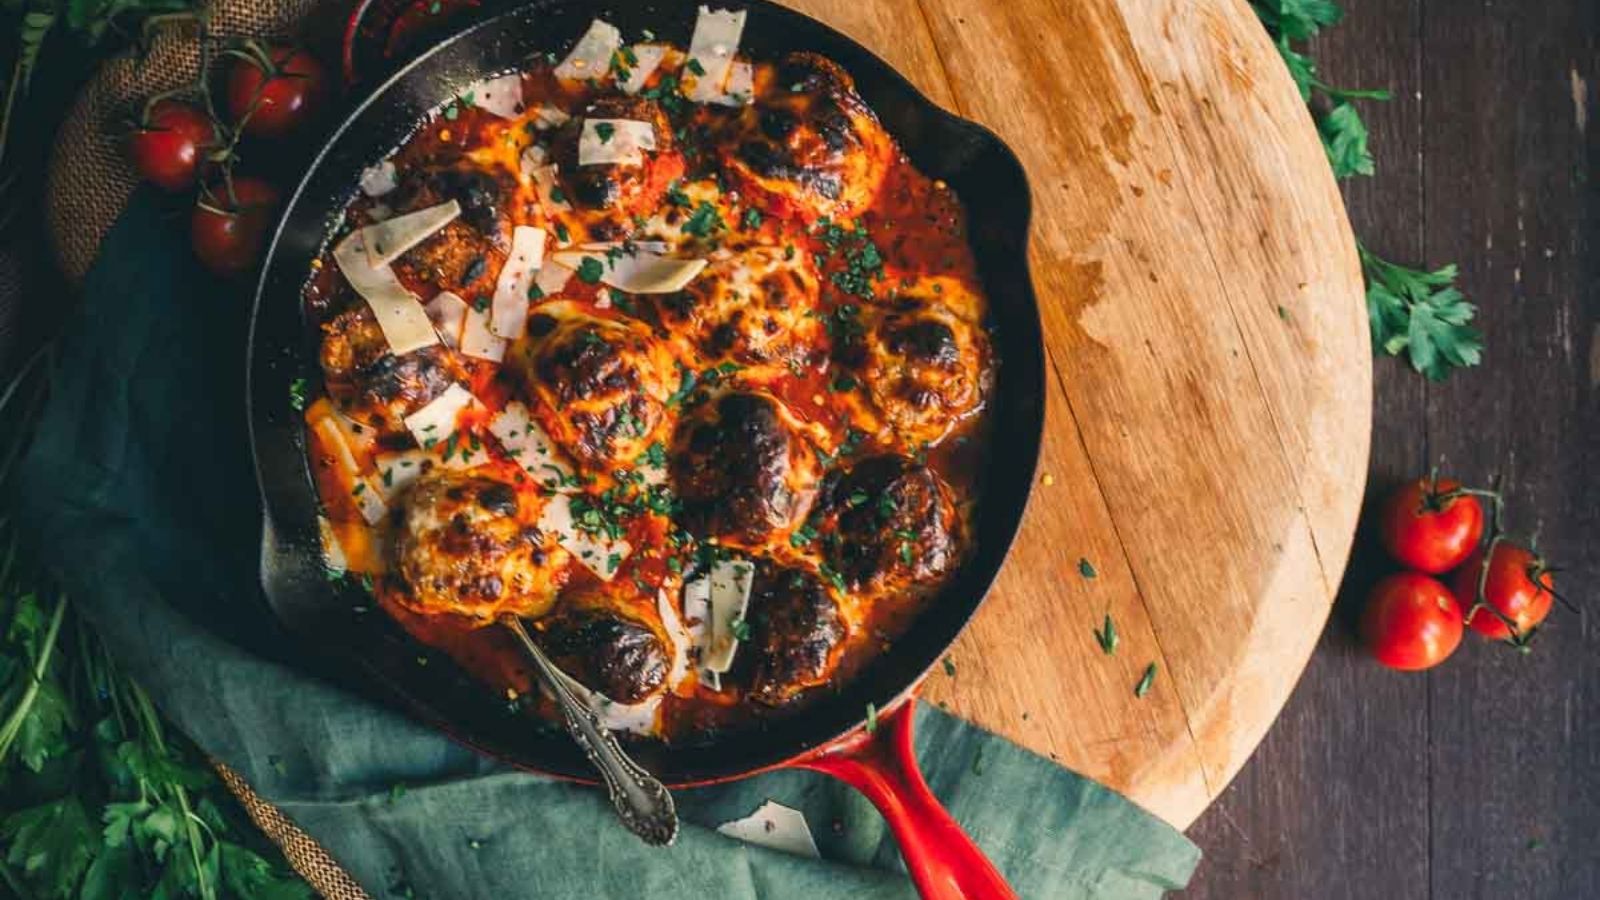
1411, 622
1429, 526
230, 223
169, 144
275, 89
1517, 585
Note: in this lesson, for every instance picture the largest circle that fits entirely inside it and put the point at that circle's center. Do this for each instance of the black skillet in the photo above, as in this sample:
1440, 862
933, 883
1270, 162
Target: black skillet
368, 651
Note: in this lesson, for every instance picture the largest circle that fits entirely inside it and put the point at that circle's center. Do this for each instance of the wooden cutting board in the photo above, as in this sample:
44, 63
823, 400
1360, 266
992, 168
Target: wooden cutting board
1209, 417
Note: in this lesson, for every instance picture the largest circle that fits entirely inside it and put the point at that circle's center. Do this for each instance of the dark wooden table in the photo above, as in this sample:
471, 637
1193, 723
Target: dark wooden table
1481, 779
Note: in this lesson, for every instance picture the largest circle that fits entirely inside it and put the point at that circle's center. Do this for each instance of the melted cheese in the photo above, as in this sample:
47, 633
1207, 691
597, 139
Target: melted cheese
647, 58
591, 56
731, 581
400, 315
448, 312
386, 241
614, 142
510, 306
713, 46
741, 87
501, 96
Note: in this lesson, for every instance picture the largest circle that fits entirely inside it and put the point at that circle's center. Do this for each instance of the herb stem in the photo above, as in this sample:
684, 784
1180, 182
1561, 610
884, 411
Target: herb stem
41, 666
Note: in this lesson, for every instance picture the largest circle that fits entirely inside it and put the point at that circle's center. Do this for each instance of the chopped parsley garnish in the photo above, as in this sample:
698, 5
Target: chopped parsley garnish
480, 302
535, 292
695, 67
802, 536
562, 234
686, 383
590, 270
655, 456
297, 393
703, 220
1106, 636
740, 628
676, 196
604, 131
872, 718
752, 219
833, 577
1149, 678
1086, 568
842, 383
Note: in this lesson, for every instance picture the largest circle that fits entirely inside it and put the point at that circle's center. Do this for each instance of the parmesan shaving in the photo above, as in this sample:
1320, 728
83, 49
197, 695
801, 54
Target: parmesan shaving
614, 142
599, 554
552, 279
528, 444
712, 48
776, 827
591, 56
501, 96
386, 241
731, 581
404, 323
379, 179
510, 309
741, 87
678, 636
478, 339
647, 59
437, 420
639, 272
448, 312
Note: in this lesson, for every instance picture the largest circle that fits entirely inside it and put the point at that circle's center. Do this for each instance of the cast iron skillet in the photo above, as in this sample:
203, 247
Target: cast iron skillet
367, 650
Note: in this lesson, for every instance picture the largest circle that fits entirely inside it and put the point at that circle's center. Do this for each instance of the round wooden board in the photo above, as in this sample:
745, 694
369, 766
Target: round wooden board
1210, 410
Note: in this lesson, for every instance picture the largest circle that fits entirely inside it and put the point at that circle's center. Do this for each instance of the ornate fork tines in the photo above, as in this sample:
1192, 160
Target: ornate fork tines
642, 802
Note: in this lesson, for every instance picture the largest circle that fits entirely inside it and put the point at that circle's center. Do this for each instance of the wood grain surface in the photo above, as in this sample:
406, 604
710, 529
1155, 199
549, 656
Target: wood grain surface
1478, 780
1206, 440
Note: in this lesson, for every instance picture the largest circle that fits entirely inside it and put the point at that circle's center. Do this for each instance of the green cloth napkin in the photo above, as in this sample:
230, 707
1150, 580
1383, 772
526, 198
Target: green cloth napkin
141, 495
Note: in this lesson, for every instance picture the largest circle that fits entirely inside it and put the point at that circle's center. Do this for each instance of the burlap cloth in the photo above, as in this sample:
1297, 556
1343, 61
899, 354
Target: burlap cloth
89, 183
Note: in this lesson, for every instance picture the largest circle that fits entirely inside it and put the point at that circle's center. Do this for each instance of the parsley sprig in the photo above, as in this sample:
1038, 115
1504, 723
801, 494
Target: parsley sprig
1416, 312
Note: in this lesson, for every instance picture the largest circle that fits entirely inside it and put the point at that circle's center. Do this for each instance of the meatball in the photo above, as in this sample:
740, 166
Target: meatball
888, 524
383, 388
598, 385
808, 145
740, 469
923, 368
468, 545
796, 631
606, 197
465, 256
606, 649
753, 306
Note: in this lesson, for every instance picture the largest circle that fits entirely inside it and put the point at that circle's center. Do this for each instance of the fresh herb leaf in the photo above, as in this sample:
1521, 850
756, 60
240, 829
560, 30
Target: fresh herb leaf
1421, 314
1145, 681
1086, 568
298, 394
590, 270
1106, 637
604, 131
872, 718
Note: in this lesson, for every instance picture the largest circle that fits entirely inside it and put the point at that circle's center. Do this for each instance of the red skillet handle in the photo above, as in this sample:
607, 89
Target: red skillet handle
944, 863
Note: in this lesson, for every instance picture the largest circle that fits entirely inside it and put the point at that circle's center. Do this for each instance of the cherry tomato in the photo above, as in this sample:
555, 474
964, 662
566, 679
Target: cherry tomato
1411, 622
167, 147
1428, 530
228, 228
1517, 585
274, 100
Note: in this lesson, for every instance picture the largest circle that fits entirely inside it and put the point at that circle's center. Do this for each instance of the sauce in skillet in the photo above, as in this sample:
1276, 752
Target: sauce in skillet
736, 403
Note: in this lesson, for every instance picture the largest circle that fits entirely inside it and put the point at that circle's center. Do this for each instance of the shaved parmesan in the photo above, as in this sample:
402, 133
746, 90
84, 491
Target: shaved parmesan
647, 58
437, 420
591, 56
397, 471
387, 240
614, 142
730, 597
405, 325
501, 96
478, 339
552, 279
544, 182
334, 441
678, 636
713, 45
741, 86
549, 116
697, 624
379, 179
599, 554
638, 272
528, 444
510, 309
776, 827
448, 312
370, 501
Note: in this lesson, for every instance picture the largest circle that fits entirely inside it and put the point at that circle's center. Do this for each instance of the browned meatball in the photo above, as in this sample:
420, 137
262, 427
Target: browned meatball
755, 306
606, 650
468, 545
382, 388
888, 524
606, 197
808, 146
740, 470
797, 633
598, 384
465, 256
923, 368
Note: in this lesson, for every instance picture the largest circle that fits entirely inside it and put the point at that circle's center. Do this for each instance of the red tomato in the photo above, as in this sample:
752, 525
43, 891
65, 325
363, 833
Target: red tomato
1517, 585
1428, 530
1411, 622
278, 98
167, 147
228, 228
